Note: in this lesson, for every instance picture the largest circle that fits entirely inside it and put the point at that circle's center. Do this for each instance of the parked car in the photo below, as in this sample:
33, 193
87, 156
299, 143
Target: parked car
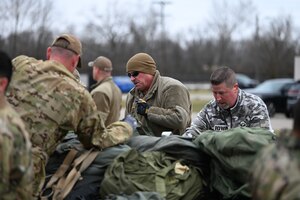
274, 93
293, 95
124, 83
245, 81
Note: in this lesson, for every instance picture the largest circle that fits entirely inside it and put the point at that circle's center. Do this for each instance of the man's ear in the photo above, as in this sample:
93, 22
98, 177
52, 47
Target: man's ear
236, 87
48, 53
97, 70
75, 60
3, 84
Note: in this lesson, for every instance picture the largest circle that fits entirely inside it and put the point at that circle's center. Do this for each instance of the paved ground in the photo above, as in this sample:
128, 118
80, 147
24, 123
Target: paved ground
280, 121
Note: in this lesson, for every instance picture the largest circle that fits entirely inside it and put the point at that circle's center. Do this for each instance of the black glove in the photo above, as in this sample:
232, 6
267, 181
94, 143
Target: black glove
131, 121
142, 107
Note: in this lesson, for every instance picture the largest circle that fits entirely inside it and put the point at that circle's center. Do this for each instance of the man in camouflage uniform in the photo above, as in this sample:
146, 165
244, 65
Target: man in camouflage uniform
158, 103
106, 94
15, 147
52, 102
231, 107
276, 170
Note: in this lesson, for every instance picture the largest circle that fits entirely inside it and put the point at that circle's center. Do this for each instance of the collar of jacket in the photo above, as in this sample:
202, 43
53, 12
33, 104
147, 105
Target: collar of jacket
100, 82
58, 67
151, 90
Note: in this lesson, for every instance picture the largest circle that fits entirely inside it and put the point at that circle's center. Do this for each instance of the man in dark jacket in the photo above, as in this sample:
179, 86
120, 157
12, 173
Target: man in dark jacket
160, 104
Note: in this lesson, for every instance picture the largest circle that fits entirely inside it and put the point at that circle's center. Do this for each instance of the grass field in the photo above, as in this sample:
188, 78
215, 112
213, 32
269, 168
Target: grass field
200, 92
199, 98
197, 104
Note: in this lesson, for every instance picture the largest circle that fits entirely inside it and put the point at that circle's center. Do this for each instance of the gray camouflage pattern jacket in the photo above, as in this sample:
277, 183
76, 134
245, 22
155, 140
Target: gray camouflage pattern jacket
249, 111
170, 107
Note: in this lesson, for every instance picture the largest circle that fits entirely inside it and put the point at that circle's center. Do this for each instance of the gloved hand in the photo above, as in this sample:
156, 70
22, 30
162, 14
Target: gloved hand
131, 121
142, 107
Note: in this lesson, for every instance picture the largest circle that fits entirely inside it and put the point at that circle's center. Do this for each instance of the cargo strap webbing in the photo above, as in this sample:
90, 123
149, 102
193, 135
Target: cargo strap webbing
65, 182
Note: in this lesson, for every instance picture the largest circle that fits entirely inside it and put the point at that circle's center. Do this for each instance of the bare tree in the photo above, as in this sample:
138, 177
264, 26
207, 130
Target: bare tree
120, 35
110, 30
144, 32
17, 12
276, 48
226, 19
23, 15
41, 21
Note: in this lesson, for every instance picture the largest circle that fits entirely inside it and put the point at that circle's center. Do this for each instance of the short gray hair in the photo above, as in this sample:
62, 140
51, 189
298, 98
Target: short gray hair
223, 75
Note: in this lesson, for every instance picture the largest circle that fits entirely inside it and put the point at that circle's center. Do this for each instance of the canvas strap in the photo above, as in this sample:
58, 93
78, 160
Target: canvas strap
66, 183
61, 183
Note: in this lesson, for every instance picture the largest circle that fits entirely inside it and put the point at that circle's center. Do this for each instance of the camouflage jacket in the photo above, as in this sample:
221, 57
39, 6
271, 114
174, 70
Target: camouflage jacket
249, 111
170, 107
15, 156
51, 102
276, 171
108, 99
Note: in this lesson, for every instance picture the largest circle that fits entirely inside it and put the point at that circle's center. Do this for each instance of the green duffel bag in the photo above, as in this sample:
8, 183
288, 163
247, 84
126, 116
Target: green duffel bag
152, 172
232, 153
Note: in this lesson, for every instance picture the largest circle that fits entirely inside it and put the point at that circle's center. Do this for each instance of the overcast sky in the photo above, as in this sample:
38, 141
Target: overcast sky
180, 15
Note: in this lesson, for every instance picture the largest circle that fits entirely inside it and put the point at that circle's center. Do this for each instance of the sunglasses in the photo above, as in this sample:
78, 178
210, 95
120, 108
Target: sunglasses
134, 74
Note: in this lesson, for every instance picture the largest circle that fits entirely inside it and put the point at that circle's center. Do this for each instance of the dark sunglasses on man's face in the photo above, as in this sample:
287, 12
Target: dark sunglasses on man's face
134, 74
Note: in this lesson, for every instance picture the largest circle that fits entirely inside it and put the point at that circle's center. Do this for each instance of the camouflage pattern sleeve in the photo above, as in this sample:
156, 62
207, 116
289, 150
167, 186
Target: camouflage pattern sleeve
16, 171
200, 123
116, 133
259, 116
89, 124
87, 121
92, 125
275, 173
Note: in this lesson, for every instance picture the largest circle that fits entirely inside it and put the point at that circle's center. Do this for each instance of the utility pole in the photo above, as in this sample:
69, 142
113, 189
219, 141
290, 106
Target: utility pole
163, 67
162, 4
256, 40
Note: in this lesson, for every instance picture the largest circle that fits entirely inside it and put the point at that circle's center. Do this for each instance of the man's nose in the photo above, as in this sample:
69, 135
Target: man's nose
218, 97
